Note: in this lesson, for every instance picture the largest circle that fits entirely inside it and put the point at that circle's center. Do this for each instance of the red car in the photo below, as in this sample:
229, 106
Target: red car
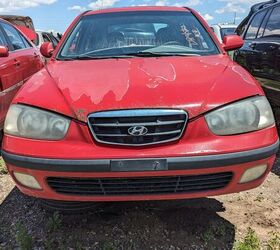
19, 60
139, 103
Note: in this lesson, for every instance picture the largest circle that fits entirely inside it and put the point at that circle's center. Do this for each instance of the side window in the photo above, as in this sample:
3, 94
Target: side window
254, 25
273, 24
2, 39
14, 36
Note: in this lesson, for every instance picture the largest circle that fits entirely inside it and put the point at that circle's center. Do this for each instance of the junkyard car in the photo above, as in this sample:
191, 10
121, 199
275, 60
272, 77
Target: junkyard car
222, 30
19, 60
139, 103
43, 36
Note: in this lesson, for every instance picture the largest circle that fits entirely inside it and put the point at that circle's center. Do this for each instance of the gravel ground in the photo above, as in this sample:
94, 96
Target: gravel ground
208, 223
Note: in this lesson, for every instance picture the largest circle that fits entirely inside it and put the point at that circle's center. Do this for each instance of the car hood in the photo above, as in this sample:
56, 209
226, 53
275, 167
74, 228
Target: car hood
195, 84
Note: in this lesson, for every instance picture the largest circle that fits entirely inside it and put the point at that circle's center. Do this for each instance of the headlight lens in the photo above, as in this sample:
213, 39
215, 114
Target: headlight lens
28, 122
241, 117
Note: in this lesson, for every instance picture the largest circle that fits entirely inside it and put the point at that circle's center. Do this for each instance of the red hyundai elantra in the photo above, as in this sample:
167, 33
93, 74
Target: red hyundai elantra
139, 103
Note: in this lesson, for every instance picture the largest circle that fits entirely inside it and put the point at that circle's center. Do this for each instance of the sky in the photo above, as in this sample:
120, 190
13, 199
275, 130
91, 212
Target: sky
56, 15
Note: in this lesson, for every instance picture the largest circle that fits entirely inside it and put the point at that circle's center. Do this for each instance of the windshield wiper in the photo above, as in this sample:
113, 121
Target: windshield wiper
88, 57
128, 55
158, 54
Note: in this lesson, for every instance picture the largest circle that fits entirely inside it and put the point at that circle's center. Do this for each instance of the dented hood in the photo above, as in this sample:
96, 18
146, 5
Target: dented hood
195, 84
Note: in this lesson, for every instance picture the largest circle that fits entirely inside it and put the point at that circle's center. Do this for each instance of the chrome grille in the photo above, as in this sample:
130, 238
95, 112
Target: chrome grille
140, 185
117, 127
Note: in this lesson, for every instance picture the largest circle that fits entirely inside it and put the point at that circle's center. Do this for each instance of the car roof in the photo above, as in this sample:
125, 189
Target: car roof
137, 8
5, 21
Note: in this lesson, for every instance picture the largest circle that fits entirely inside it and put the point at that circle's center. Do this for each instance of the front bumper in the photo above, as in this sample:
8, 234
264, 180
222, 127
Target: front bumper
98, 171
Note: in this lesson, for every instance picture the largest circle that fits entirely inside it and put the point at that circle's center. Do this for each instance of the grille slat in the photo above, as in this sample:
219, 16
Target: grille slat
137, 124
131, 186
143, 185
154, 134
161, 125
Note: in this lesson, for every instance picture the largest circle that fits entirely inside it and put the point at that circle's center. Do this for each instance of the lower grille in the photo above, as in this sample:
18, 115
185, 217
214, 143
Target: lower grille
139, 186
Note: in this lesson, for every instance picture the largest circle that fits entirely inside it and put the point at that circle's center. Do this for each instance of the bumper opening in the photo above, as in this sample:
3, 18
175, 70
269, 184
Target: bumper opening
140, 186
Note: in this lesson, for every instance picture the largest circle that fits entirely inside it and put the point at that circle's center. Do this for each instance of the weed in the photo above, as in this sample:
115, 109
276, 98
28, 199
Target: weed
3, 169
24, 240
54, 222
79, 246
259, 198
48, 244
108, 246
274, 241
221, 230
207, 236
250, 241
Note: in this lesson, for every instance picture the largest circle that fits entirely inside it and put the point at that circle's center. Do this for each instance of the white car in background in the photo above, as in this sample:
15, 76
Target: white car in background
43, 36
222, 30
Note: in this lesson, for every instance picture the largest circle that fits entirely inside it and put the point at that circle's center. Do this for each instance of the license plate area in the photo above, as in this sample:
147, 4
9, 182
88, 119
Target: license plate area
138, 165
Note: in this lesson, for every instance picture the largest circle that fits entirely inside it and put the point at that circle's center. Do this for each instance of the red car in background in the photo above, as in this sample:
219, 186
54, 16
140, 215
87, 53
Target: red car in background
139, 103
19, 60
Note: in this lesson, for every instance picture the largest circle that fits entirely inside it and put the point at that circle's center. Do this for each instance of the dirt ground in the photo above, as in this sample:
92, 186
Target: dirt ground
208, 223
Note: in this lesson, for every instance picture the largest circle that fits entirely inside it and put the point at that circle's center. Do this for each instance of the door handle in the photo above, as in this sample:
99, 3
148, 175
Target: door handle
252, 45
17, 63
272, 47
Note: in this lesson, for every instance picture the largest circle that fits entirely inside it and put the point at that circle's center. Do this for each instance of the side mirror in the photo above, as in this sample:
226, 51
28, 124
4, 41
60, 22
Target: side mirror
46, 49
232, 42
4, 51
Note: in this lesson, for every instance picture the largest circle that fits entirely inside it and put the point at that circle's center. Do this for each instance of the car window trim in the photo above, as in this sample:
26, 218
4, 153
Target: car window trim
19, 50
264, 22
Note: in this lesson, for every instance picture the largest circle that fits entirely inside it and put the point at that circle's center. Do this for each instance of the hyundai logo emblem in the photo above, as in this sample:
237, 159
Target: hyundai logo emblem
137, 130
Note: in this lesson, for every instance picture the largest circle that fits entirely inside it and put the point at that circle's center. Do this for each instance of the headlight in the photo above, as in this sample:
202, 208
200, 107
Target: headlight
28, 122
241, 117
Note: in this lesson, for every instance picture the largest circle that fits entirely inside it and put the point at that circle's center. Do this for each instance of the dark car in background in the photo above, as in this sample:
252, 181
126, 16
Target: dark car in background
261, 51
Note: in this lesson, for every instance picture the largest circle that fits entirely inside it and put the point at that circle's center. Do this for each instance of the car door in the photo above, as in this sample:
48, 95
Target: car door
269, 45
247, 56
26, 55
10, 76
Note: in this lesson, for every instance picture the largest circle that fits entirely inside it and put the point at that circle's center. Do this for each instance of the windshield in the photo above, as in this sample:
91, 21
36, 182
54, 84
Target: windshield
143, 33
